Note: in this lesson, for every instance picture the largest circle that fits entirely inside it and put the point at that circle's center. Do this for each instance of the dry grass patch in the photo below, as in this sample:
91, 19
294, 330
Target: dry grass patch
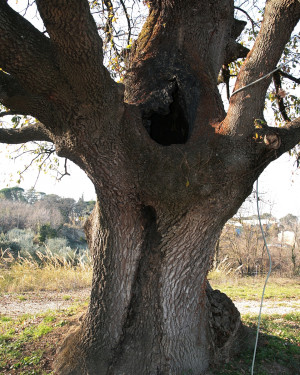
45, 272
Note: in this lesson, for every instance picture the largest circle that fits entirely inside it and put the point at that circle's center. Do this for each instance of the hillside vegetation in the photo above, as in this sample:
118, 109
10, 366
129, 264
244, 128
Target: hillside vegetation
34, 223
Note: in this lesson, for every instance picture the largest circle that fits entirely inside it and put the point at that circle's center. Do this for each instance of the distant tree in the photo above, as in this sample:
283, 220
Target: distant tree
64, 205
244, 248
32, 196
289, 222
14, 214
24, 215
45, 214
83, 209
15, 194
268, 216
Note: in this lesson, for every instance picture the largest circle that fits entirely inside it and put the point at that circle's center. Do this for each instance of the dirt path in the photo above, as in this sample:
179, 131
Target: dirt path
33, 303
38, 302
270, 307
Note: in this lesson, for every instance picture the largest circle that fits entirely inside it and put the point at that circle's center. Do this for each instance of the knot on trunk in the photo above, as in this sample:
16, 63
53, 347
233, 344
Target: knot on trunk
224, 323
272, 141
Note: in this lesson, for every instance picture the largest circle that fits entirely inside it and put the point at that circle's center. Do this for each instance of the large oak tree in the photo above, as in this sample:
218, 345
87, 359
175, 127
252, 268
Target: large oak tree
169, 166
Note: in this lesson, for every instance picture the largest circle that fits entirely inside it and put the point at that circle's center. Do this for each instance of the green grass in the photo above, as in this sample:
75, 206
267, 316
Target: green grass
22, 298
251, 288
27, 342
278, 350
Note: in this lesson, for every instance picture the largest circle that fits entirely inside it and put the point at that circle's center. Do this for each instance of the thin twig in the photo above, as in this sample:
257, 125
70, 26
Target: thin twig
250, 19
128, 21
66, 171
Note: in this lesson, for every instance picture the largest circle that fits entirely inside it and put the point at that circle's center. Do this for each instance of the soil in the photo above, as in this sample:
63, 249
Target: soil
270, 307
14, 304
38, 302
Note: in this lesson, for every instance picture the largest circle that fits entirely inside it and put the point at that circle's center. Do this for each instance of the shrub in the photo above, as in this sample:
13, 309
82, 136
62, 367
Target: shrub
45, 231
6, 244
58, 246
23, 238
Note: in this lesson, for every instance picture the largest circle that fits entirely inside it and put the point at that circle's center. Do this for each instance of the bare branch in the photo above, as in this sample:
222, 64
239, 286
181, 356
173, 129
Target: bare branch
249, 18
289, 76
48, 154
108, 29
128, 21
66, 173
28, 133
226, 78
280, 18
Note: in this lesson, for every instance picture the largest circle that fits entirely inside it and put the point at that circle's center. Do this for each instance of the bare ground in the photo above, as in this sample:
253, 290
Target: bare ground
38, 302
15, 304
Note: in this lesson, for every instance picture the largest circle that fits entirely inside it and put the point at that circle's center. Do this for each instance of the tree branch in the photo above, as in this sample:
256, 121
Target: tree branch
49, 71
280, 18
128, 20
17, 99
289, 76
78, 47
28, 133
8, 113
253, 24
279, 96
235, 50
26, 53
108, 29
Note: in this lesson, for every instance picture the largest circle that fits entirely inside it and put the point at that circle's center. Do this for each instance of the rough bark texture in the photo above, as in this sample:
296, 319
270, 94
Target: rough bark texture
170, 167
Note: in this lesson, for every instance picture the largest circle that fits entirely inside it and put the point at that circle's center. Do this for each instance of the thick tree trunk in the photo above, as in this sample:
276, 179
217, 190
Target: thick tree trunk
170, 167
151, 309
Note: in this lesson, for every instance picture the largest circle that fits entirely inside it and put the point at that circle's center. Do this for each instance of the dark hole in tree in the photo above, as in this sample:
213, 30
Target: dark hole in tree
172, 128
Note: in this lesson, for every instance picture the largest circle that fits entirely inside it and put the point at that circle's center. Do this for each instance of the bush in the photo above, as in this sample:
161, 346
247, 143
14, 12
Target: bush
45, 231
23, 238
58, 246
7, 244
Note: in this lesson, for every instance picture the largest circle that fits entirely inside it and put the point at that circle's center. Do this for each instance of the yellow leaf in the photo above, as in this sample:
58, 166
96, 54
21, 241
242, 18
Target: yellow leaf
187, 183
